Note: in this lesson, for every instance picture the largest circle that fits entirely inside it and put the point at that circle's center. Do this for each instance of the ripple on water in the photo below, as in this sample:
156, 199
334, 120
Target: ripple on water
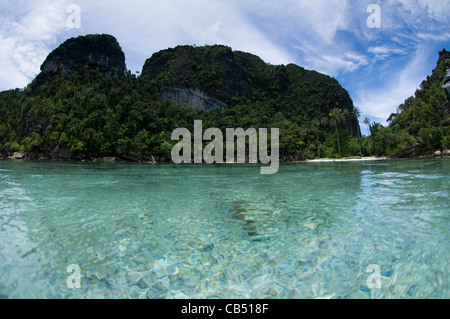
224, 231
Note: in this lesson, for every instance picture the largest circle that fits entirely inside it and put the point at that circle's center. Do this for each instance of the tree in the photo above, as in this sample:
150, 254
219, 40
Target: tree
357, 114
367, 122
338, 116
316, 124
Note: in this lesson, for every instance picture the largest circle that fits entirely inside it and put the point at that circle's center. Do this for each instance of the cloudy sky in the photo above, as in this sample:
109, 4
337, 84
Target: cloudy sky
380, 67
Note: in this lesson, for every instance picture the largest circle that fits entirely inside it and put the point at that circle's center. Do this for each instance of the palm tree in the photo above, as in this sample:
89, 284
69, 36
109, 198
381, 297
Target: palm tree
338, 116
316, 124
357, 114
367, 122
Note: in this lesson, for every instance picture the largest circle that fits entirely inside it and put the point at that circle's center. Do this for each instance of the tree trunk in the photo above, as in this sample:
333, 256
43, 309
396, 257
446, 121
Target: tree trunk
318, 146
359, 141
370, 147
339, 144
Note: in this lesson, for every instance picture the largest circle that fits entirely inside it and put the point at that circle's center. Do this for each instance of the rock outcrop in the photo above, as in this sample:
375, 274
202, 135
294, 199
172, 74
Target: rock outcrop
17, 156
185, 83
100, 52
193, 98
447, 85
216, 77
221, 68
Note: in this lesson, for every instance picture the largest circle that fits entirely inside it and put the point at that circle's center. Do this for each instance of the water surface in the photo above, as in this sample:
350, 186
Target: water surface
225, 231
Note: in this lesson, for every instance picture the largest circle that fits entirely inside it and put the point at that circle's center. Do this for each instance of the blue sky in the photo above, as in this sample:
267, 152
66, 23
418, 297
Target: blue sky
380, 67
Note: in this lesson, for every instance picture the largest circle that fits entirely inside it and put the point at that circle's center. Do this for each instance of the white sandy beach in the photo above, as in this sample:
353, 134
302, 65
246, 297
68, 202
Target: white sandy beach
348, 159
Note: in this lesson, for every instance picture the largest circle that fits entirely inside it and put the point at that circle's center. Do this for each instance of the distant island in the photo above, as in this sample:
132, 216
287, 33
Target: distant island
85, 105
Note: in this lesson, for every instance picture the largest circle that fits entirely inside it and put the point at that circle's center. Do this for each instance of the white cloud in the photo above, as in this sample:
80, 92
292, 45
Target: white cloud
418, 15
25, 39
319, 19
438, 10
333, 64
435, 37
378, 103
142, 28
158, 25
382, 50
307, 28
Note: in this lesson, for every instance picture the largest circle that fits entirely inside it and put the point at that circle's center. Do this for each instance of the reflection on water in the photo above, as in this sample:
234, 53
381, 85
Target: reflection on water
220, 231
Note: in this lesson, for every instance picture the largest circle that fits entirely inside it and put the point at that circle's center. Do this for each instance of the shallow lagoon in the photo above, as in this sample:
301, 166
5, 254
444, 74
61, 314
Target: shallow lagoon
225, 231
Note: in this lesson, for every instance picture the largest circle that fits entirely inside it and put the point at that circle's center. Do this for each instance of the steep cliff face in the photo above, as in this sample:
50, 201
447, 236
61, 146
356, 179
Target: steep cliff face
92, 51
447, 85
84, 115
192, 98
424, 119
199, 78
211, 68
215, 77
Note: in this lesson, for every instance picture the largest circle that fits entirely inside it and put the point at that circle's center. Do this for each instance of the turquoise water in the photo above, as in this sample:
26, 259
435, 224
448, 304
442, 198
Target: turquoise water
225, 231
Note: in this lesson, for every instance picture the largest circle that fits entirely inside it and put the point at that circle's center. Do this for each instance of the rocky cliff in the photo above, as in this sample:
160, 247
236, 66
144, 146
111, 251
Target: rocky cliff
207, 78
424, 119
83, 115
444, 109
193, 98
198, 78
447, 86
100, 52
216, 77
213, 68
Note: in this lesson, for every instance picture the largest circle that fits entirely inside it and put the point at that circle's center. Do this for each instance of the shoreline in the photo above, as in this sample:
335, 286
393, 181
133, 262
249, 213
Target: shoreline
20, 156
347, 159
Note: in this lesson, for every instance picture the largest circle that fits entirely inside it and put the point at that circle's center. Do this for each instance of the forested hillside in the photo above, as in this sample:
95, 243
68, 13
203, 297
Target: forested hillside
84, 105
421, 125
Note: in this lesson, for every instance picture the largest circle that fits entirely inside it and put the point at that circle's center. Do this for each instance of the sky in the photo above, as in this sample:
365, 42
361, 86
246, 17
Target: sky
380, 51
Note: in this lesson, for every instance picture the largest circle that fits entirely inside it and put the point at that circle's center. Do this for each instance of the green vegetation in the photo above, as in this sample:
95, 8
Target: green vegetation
422, 123
94, 114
